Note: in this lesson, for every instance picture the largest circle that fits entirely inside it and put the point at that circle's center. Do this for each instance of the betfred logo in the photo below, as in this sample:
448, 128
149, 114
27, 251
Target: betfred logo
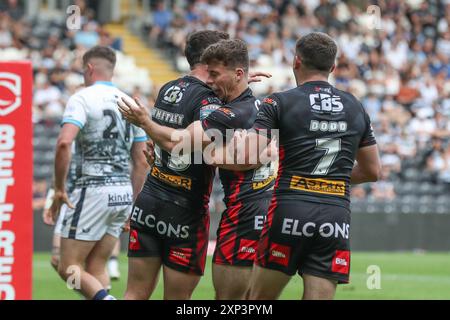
10, 92
134, 240
181, 256
247, 249
341, 262
280, 254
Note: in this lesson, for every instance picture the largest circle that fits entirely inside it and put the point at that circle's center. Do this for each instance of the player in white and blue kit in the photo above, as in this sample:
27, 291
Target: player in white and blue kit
98, 207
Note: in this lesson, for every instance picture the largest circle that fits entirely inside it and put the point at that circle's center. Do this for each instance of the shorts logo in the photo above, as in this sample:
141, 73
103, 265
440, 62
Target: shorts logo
119, 199
247, 249
181, 256
341, 262
331, 187
134, 240
176, 181
279, 254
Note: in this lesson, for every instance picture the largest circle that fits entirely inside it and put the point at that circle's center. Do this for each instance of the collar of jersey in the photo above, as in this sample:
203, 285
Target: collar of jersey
244, 95
106, 83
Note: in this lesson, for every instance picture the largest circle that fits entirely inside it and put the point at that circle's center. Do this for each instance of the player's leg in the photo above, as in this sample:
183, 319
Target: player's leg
184, 252
277, 255
98, 257
113, 262
267, 284
327, 260
236, 244
231, 282
56, 241
179, 285
71, 266
317, 288
143, 276
144, 249
56, 250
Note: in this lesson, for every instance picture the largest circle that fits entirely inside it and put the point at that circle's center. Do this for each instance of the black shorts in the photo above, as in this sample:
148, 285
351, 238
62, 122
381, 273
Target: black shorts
178, 235
306, 237
239, 231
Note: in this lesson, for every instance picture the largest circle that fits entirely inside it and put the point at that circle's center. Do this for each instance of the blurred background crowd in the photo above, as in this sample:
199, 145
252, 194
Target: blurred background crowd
398, 66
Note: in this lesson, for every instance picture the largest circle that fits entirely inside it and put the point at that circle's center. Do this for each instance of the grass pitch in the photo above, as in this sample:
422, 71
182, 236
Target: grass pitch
403, 276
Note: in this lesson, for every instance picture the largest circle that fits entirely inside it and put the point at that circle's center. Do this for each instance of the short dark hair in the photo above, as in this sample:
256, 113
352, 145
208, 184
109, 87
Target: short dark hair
101, 52
232, 53
198, 41
317, 51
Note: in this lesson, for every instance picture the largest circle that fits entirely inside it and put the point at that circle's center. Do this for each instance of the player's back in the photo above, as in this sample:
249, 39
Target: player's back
181, 179
102, 148
321, 129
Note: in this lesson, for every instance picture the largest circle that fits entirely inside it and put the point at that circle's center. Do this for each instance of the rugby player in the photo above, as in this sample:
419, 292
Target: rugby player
247, 194
170, 217
322, 130
98, 207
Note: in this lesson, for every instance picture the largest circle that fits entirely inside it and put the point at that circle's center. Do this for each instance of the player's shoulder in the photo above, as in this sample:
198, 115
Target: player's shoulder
347, 94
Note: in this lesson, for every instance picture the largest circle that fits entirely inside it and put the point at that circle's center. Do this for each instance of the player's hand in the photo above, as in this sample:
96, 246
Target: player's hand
46, 216
257, 76
133, 111
59, 199
126, 227
149, 152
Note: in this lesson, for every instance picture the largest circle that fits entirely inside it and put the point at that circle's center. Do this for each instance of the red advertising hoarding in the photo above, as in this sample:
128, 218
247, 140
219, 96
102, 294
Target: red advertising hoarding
16, 177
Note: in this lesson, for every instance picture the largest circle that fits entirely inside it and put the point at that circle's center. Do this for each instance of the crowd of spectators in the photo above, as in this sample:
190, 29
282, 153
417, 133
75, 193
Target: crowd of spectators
397, 65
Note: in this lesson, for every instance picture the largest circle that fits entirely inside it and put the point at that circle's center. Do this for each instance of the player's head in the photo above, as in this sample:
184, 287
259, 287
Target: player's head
315, 53
198, 41
98, 64
228, 65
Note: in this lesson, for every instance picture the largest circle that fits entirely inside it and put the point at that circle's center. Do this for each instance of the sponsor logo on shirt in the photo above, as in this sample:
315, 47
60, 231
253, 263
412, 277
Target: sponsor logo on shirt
323, 186
173, 180
168, 117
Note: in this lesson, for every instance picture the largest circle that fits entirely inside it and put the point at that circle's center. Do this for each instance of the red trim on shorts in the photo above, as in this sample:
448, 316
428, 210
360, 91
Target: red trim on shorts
263, 245
202, 243
227, 247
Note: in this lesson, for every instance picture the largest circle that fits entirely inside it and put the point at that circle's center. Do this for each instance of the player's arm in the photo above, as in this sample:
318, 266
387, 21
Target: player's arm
368, 166
165, 137
63, 156
258, 146
139, 167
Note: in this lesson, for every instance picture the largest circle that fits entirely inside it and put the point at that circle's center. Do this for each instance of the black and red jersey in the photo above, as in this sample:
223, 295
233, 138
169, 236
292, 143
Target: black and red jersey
180, 179
240, 185
321, 129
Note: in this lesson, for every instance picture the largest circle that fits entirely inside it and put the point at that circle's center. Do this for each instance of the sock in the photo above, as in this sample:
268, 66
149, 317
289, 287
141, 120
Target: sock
113, 258
109, 297
100, 295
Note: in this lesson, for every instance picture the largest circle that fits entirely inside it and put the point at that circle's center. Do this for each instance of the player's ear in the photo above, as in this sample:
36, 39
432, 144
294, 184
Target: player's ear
239, 74
333, 67
297, 62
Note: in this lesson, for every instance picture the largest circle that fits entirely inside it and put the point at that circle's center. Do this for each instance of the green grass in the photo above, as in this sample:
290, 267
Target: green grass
403, 276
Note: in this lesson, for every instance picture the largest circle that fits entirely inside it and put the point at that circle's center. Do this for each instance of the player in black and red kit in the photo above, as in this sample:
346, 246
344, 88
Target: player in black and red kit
170, 218
247, 193
322, 130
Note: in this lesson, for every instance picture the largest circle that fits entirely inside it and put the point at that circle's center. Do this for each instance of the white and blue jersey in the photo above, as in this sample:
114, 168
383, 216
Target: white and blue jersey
102, 148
